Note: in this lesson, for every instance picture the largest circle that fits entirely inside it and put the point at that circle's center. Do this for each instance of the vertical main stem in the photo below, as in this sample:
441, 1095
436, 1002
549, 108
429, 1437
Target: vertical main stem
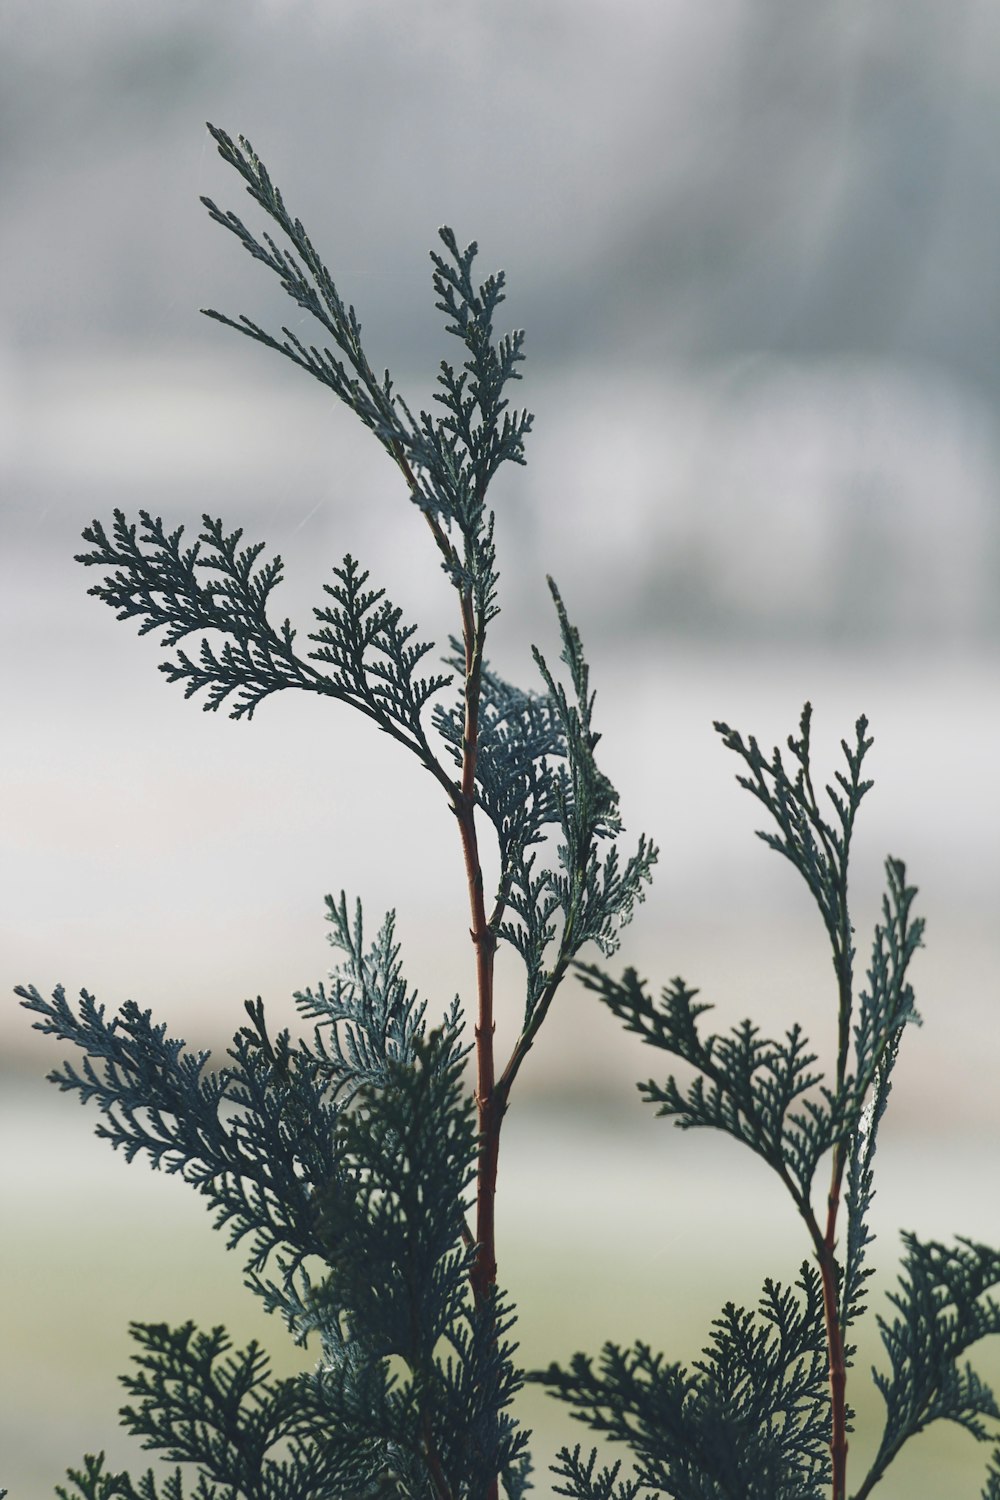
835, 1334
490, 1101
490, 1108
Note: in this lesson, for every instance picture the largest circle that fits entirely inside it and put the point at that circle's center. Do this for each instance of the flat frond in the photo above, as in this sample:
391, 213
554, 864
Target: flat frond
883, 1010
368, 1016
448, 462
763, 1092
946, 1302
819, 849
582, 1483
747, 1422
374, 657
253, 1138
212, 586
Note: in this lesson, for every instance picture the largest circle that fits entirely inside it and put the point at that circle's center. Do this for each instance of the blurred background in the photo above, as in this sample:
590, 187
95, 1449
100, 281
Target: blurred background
754, 248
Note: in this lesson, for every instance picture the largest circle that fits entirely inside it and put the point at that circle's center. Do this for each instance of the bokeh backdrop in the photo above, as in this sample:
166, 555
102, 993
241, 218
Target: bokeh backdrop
755, 250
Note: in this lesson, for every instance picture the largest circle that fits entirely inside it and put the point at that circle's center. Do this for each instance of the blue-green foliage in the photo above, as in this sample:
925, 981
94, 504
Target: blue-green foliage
536, 771
752, 1418
943, 1306
343, 1165
214, 586
344, 1168
582, 1479
747, 1420
535, 766
451, 461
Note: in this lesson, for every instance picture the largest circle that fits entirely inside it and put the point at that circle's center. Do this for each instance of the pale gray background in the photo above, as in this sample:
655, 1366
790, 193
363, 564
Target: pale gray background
755, 249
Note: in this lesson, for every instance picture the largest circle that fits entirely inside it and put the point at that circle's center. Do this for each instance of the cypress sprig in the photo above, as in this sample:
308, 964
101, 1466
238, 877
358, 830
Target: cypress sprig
356, 1168
764, 1412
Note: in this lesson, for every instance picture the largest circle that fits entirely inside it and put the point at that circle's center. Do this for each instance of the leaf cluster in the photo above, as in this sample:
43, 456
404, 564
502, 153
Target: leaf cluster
944, 1304
537, 775
771, 1096
535, 766
748, 1420
449, 462
345, 1166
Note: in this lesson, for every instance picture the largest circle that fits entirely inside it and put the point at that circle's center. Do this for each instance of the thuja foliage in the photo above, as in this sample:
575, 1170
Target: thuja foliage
354, 1166
763, 1414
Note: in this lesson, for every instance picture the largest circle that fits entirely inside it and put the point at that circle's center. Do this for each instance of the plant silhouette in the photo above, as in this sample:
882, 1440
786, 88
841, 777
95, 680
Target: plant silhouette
354, 1166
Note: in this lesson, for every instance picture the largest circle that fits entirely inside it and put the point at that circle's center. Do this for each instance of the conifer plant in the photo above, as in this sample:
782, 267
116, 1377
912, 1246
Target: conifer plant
357, 1169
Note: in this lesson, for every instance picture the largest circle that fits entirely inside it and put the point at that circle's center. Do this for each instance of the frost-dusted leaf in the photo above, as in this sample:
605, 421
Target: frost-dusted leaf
368, 1016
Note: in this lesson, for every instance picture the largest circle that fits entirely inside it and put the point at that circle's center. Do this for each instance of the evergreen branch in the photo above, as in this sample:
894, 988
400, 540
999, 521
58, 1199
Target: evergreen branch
991, 1489
883, 1009
596, 898
373, 660
819, 850
346, 1164
536, 770
767, 1093
254, 1140
520, 740
199, 1403
163, 584
448, 464
584, 1484
308, 282
94, 1482
397, 1285
886, 1007
399, 1201
746, 1085
474, 400
944, 1305
384, 1212
160, 583
369, 1016
746, 1424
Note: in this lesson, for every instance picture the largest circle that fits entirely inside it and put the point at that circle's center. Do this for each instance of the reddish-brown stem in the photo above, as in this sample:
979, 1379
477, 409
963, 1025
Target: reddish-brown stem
491, 1099
835, 1333
488, 1101
824, 1243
